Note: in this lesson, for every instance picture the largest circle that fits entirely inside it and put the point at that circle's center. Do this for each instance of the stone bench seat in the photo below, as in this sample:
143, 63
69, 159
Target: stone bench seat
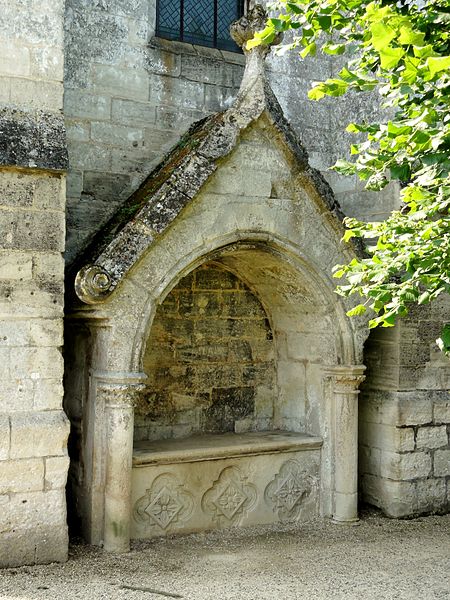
224, 445
213, 481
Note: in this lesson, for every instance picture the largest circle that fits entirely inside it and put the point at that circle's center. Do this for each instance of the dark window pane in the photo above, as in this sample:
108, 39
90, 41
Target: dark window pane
202, 22
168, 19
227, 12
199, 22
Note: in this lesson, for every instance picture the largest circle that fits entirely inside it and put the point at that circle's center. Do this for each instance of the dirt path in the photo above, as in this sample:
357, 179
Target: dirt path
379, 559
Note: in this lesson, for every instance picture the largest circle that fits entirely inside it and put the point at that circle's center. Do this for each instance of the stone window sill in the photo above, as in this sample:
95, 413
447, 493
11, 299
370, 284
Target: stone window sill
176, 47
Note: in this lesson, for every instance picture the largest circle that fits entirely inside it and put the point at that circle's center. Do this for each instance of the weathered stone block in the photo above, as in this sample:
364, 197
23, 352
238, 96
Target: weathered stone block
88, 156
133, 113
5, 434
34, 528
16, 394
42, 95
39, 434
396, 408
37, 362
442, 463
14, 59
21, 476
47, 63
395, 498
32, 302
431, 495
171, 118
50, 193
32, 139
257, 183
226, 181
218, 98
78, 104
118, 135
36, 332
411, 465
74, 183
47, 394
16, 189
441, 411
32, 230
387, 437
128, 83
176, 92
56, 468
161, 62
207, 70
16, 265
78, 131
432, 437
369, 460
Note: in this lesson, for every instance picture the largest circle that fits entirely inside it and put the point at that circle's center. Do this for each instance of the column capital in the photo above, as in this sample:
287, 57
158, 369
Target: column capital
346, 378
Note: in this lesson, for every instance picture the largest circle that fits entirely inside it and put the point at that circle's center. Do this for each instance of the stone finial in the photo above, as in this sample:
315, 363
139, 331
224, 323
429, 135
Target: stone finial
244, 29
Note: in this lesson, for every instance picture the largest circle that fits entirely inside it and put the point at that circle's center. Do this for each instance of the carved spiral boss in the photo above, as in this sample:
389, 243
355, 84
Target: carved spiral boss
93, 284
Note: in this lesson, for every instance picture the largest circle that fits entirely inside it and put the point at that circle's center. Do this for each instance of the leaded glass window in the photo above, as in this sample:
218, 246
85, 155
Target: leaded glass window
201, 22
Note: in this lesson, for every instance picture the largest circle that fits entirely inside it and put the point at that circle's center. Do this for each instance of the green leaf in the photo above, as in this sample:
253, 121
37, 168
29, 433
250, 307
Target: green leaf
310, 49
382, 35
334, 49
424, 298
317, 92
390, 57
438, 64
401, 172
357, 310
408, 36
345, 167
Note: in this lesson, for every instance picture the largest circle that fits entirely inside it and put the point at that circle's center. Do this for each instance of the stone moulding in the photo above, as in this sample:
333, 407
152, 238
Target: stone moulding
177, 180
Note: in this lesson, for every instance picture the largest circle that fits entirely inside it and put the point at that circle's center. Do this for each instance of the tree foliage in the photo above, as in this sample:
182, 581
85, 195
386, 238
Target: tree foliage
402, 50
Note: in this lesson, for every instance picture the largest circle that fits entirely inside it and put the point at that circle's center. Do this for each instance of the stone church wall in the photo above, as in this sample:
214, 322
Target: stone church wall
33, 427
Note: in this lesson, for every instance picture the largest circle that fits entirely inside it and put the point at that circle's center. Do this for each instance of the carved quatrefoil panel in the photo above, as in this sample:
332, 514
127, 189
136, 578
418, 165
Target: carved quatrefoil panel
230, 498
288, 490
166, 503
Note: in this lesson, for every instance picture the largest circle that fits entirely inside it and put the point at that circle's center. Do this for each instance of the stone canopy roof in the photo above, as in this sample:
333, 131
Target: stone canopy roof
143, 218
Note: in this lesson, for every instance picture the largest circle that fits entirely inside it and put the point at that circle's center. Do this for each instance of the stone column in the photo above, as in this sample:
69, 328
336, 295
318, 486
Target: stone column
119, 421
345, 381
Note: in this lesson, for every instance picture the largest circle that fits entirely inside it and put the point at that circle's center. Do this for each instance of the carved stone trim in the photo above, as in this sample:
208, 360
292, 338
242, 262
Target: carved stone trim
346, 379
93, 284
167, 503
288, 489
230, 498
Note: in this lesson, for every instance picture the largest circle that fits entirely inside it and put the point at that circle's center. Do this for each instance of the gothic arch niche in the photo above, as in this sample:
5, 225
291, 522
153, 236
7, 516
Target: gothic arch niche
234, 358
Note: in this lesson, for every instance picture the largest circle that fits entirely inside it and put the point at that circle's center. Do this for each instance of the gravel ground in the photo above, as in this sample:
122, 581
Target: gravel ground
377, 559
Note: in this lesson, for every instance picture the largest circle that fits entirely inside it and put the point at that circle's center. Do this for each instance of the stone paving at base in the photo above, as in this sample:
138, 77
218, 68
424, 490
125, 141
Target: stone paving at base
378, 559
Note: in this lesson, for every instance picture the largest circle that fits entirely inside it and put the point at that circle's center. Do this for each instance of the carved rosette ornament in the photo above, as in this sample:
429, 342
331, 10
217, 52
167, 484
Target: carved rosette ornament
230, 498
166, 504
288, 489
